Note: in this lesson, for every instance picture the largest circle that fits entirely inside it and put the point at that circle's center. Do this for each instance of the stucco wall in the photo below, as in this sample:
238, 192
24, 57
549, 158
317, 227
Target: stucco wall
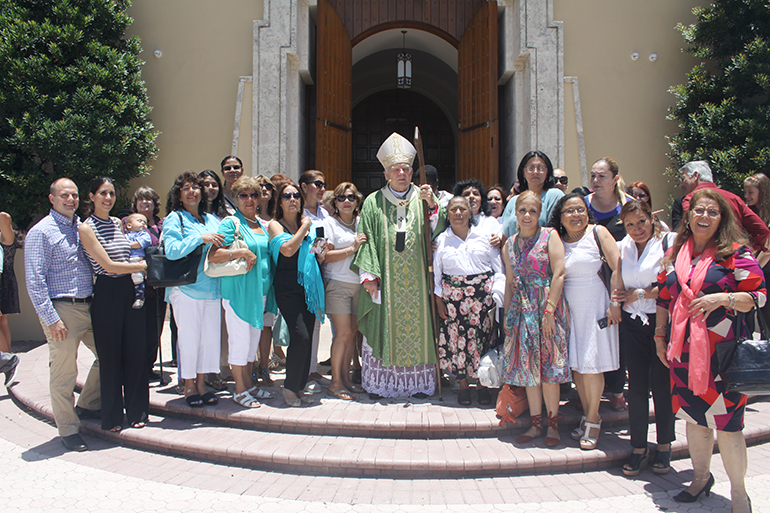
624, 102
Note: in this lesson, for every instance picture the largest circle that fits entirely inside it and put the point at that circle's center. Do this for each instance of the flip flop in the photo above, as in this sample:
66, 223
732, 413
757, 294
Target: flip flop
342, 393
194, 401
210, 399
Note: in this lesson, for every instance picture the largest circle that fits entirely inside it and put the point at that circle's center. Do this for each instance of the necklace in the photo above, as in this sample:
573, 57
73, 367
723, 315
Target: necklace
576, 236
350, 225
250, 219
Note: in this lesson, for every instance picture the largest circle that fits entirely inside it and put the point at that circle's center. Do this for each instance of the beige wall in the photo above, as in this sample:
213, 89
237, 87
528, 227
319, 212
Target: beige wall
623, 102
193, 87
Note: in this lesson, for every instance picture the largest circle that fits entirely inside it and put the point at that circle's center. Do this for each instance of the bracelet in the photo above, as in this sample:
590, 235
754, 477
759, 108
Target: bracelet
552, 304
231, 253
731, 304
550, 313
660, 336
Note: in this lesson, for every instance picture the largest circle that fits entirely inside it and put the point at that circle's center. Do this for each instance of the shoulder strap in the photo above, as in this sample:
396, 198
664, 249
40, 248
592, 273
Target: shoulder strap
599, 243
237, 223
665, 244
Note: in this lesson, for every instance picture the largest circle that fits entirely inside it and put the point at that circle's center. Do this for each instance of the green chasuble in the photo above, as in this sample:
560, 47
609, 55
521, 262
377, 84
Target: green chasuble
400, 330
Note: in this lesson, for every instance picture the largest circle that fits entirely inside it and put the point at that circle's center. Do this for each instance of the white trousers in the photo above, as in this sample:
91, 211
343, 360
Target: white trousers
242, 337
198, 333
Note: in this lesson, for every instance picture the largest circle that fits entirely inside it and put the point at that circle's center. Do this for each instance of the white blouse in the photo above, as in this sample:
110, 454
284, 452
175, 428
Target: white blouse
641, 271
341, 237
474, 255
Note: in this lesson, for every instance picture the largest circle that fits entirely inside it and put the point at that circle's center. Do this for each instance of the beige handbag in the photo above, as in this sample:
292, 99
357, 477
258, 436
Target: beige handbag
231, 267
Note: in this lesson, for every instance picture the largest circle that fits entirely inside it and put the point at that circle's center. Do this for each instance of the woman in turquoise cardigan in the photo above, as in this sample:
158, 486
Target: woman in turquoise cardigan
243, 310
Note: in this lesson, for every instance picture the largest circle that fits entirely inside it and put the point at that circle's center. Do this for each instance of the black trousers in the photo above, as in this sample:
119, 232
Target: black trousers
646, 372
301, 323
120, 338
155, 311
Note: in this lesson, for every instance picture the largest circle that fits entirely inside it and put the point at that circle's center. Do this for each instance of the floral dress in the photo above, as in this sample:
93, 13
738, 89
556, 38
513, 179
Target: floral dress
529, 358
716, 409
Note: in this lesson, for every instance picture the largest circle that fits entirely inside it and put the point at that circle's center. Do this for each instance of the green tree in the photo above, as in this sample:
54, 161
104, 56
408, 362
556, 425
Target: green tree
72, 102
723, 110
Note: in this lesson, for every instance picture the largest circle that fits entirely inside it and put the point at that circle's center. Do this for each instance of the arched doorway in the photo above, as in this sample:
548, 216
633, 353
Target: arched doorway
399, 110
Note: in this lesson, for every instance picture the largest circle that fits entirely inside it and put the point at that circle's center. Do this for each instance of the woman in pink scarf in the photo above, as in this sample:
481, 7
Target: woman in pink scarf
709, 276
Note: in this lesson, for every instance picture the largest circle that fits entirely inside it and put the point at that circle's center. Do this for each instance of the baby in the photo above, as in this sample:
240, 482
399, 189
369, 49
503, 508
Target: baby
139, 237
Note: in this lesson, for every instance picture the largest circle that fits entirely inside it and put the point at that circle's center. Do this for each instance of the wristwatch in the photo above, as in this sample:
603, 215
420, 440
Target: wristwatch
640, 294
614, 303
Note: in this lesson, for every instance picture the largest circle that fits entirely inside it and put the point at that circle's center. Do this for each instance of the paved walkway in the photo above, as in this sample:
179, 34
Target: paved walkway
38, 475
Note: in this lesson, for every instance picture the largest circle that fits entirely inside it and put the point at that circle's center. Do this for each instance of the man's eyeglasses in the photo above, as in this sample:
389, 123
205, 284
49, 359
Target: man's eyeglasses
290, 195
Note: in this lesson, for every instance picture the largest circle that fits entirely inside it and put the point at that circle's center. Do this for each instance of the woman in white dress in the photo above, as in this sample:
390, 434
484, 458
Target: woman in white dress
593, 341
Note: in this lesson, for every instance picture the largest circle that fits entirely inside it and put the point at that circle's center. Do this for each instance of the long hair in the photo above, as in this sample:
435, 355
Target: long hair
548, 183
96, 184
555, 220
217, 205
309, 176
262, 179
642, 186
279, 209
461, 186
174, 202
762, 183
728, 232
636, 205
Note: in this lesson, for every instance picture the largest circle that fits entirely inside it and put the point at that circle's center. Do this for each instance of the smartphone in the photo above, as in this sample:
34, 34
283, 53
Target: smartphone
320, 241
603, 322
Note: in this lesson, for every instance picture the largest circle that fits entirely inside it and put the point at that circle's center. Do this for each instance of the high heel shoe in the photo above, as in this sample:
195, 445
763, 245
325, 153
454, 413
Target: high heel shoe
685, 496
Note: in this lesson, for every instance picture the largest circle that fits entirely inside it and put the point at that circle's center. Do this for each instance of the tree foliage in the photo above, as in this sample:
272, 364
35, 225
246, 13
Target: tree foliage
72, 102
724, 108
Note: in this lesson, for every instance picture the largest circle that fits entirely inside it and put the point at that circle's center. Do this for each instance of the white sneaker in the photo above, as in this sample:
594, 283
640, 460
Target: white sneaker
312, 388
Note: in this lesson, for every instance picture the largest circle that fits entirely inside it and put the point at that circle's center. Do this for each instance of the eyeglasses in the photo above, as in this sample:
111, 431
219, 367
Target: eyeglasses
700, 212
350, 197
640, 195
210, 185
561, 179
234, 167
538, 169
494, 198
573, 211
191, 188
320, 184
245, 195
290, 195
266, 186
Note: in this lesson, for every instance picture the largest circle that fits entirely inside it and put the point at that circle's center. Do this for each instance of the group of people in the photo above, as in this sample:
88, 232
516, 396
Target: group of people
588, 286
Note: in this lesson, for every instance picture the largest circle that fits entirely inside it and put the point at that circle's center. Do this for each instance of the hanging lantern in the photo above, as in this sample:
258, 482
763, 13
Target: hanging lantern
404, 66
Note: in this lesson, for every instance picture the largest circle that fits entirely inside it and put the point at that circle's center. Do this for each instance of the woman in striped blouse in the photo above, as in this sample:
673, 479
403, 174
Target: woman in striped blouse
119, 330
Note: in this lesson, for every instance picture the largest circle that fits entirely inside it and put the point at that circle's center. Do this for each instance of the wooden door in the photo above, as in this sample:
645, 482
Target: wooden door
334, 67
477, 89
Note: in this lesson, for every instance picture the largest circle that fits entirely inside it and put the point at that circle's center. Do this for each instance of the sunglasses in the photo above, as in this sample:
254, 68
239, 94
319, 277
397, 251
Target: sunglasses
267, 186
236, 167
320, 184
350, 197
561, 179
245, 195
290, 195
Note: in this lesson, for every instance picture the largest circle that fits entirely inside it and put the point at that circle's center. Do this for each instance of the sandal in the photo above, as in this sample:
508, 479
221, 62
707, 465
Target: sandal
661, 463
217, 384
291, 398
578, 432
264, 375
537, 425
209, 398
553, 423
116, 429
636, 463
138, 425
342, 393
355, 389
259, 393
589, 440
194, 401
464, 396
246, 400
306, 398
485, 397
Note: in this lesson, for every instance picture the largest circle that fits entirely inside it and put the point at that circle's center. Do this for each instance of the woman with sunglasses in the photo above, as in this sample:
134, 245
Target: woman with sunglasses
244, 313
232, 169
265, 212
298, 287
496, 199
312, 186
343, 286
640, 191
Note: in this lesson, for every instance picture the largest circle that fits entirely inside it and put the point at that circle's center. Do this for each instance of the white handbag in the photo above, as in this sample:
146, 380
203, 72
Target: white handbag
490, 371
231, 267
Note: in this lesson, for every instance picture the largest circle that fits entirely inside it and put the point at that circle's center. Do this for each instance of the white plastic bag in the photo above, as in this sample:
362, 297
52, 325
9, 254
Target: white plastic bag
491, 368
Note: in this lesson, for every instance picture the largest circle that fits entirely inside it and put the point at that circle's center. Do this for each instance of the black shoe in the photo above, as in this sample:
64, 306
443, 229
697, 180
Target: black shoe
485, 396
636, 463
685, 496
420, 395
74, 443
375, 397
84, 413
154, 376
356, 376
326, 363
10, 369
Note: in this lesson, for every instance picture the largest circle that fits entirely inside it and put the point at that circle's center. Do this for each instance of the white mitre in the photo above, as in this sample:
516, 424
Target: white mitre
396, 150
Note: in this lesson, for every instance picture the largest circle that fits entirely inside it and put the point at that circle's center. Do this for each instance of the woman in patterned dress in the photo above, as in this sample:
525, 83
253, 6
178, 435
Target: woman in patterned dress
537, 321
467, 270
709, 275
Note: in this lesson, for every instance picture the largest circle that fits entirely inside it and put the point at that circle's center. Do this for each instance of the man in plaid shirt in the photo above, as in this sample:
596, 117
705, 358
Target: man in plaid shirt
59, 283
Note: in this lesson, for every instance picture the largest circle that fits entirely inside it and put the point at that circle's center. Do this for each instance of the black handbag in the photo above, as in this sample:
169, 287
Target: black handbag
605, 271
744, 363
163, 272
